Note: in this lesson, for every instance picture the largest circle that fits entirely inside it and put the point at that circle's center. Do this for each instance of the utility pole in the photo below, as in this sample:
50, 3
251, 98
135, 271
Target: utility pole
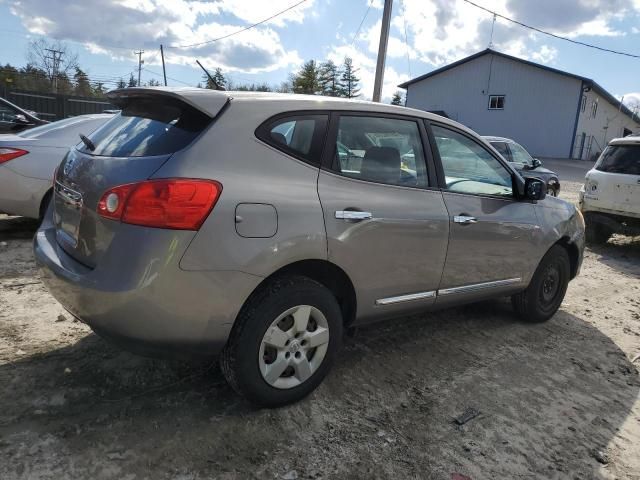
56, 58
382, 50
140, 62
164, 71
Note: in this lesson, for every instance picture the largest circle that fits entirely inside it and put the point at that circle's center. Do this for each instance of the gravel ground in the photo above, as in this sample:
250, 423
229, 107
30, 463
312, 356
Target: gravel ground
557, 400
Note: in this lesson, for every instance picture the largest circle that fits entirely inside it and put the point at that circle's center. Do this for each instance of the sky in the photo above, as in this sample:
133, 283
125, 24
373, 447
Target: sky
425, 35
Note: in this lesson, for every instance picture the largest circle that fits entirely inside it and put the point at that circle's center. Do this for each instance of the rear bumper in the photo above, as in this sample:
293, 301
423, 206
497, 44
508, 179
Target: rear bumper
146, 305
20, 195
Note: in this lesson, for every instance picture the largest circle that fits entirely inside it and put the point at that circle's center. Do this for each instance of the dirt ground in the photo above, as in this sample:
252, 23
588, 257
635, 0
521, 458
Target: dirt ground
557, 400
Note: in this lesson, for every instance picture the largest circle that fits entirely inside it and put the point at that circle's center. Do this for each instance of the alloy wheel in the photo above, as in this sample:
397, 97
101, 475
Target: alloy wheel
293, 347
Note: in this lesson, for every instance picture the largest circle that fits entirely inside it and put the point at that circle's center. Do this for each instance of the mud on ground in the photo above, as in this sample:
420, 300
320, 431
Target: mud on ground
557, 400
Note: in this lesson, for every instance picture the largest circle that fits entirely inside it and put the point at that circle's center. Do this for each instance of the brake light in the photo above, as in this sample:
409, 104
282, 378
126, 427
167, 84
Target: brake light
181, 204
7, 154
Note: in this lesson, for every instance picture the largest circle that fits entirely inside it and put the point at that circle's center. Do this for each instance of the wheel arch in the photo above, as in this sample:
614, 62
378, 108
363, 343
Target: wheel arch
326, 273
573, 252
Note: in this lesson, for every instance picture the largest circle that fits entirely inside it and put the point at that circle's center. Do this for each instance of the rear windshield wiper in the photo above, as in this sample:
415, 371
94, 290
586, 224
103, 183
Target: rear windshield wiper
89, 144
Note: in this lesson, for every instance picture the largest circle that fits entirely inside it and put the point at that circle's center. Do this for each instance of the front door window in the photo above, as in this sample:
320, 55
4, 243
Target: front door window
469, 167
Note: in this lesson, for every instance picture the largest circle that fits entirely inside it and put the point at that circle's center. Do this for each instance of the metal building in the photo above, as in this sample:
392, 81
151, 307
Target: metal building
550, 112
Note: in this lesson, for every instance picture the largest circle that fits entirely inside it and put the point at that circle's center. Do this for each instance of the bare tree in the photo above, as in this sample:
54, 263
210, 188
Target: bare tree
55, 59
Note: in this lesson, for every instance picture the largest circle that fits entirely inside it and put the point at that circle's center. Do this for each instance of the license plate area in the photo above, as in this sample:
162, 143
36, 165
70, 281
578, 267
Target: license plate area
67, 214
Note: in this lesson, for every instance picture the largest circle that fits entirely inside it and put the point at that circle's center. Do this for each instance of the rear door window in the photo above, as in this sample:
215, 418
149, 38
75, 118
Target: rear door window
620, 159
148, 127
381, 150
300, 136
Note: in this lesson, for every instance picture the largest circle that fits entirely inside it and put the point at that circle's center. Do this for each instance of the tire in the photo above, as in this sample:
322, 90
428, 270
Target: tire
544, 295
248, 357
596, 233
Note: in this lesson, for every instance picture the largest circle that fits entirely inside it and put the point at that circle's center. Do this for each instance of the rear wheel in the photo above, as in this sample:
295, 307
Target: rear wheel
595, 232
284, 342
544, 295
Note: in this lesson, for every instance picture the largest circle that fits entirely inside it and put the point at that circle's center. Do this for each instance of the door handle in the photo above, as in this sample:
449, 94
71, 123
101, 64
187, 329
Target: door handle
465, 219
353, 215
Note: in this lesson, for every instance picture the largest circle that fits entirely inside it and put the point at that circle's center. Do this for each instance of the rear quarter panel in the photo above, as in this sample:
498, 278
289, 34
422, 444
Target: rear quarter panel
251, 172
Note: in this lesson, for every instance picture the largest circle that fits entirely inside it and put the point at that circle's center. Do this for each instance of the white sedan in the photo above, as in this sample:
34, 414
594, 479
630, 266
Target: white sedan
29, 158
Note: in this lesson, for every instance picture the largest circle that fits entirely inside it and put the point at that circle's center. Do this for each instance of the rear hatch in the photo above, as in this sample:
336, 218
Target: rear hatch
152, 126
621, 190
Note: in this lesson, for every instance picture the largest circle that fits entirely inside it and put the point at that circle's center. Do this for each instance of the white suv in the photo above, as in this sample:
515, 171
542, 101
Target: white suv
610, 197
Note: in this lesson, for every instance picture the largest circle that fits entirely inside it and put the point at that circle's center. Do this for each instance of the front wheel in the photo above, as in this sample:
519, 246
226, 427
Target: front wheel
544, 295
284, 342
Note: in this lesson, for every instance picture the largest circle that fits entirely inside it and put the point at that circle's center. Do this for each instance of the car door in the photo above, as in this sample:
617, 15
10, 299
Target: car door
492, 234
387, 228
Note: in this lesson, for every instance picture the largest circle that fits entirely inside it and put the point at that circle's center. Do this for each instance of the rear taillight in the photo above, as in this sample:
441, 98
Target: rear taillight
181, 204
7, 154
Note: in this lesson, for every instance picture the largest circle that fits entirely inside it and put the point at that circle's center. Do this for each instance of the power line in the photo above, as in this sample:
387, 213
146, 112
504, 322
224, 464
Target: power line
364, 17
241, 30
559, 37
170, 78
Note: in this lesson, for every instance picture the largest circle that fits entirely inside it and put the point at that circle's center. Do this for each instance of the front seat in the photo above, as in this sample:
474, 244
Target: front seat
382, 165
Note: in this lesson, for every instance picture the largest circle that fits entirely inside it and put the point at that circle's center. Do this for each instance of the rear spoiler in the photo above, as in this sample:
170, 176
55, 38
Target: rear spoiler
209, 102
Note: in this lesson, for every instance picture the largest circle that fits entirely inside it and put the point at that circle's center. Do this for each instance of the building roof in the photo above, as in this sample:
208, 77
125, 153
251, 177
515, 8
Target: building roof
588, 82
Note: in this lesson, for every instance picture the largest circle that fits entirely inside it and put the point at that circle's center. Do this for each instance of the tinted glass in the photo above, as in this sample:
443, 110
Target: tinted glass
519, 154
620, 159
297, 135
469, 167
7, 119
382, 150
294, 134
148, 127
502, 148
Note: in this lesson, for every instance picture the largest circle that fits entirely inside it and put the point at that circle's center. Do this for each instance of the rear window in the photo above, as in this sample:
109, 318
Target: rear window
620, 159
147, 127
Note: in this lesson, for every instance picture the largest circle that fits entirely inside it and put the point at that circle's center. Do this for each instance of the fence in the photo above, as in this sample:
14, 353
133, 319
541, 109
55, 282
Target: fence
54, 106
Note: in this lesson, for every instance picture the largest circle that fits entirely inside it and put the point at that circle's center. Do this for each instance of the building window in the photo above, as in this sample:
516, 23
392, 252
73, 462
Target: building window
594, 109
496, 102
583, 106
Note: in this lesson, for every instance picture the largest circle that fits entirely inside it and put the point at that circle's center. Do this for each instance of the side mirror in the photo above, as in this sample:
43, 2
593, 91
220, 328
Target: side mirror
535, 189
537, 163
21, 119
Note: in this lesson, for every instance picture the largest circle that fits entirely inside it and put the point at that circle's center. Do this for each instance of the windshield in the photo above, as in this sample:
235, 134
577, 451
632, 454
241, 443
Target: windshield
620, 159
520, 155
50, 127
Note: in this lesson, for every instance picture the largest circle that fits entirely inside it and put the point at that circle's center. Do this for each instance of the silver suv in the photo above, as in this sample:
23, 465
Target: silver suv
260, 226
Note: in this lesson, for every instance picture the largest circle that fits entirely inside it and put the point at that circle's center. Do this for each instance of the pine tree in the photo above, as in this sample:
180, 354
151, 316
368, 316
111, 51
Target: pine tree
132, 81
82, 85
329, 79
306, 80
121, 83
219, 81
349, 81
153, 83
98, 90
397, 98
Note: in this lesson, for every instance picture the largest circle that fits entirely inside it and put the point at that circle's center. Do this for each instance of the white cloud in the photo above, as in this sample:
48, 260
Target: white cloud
632, 100
103, 25
441, 31
367, 69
